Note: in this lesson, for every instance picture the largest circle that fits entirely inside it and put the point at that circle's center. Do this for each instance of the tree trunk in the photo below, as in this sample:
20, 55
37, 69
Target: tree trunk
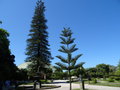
40, 84
70, 80
70, 84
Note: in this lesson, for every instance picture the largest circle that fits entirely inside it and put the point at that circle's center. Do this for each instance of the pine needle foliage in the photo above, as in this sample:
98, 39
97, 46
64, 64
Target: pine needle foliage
68, 47
37, 50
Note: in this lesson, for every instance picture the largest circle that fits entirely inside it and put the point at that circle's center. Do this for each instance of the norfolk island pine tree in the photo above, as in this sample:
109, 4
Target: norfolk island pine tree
37, 45
68, 63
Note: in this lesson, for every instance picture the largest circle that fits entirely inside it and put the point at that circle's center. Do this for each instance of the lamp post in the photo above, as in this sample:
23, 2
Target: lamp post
37, 83
81, 79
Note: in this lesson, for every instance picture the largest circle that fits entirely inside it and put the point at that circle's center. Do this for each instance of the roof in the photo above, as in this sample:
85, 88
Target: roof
24, 65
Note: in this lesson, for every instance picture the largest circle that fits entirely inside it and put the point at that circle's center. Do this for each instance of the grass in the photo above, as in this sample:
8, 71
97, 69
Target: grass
52, 86
103, 83
28, 83
31, 83
112, 84
81, 89
43, 87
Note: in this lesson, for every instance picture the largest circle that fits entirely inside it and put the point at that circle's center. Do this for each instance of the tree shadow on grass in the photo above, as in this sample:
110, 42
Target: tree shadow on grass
50, 86
43, 87
58, 82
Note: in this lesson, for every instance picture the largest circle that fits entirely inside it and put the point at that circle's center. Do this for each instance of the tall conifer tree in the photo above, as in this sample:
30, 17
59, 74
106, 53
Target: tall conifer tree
68, 63
37, 45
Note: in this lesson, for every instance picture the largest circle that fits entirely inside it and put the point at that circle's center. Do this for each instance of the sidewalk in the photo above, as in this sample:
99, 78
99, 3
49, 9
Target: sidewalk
62, 85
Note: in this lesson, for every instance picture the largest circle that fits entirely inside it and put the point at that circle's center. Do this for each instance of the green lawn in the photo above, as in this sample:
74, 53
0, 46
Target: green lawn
113, 84
31, 83
103, 83
85, 89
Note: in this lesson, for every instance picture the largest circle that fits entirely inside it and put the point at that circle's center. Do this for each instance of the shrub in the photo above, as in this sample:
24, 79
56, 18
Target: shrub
94, 80
117, 78
110, 80
112, 77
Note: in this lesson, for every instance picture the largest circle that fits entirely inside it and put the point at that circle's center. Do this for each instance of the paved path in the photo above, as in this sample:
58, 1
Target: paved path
65, 86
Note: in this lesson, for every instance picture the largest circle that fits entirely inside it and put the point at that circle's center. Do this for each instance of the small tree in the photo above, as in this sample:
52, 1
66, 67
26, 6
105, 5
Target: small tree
103, 70
68, 63
118, 69
58, 73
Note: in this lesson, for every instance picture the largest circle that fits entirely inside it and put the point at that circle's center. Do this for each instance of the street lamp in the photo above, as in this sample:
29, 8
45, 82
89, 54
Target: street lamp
81, 79
37, 83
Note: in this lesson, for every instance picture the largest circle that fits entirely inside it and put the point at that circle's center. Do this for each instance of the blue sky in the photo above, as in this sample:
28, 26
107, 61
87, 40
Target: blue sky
95, 24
